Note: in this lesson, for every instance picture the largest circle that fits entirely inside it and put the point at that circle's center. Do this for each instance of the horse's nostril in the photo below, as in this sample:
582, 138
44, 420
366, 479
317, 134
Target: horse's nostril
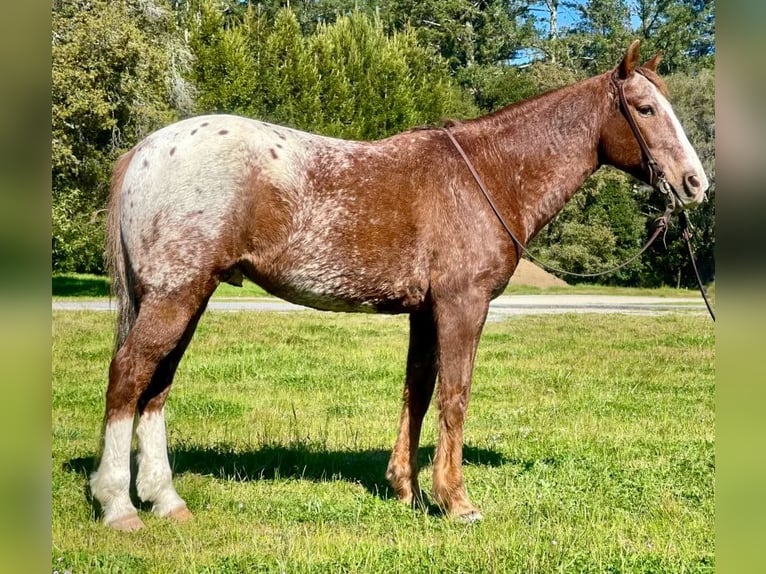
692, 182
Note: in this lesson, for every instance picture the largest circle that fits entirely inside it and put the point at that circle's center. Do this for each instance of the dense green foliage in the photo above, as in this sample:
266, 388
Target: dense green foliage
347, 79
364, 69
115, 78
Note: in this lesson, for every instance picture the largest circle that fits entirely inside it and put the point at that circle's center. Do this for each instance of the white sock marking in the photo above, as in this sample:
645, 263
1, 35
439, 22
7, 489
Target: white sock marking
110, 484
154, 479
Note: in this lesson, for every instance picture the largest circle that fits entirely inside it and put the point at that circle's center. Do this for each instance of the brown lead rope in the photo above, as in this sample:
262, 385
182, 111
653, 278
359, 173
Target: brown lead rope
661, 224
688, 238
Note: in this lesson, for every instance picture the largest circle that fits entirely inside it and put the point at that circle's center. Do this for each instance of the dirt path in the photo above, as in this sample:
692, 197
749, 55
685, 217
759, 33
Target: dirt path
531, 275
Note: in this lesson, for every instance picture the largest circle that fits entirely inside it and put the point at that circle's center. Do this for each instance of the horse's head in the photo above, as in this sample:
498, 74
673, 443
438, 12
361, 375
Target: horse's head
664, 159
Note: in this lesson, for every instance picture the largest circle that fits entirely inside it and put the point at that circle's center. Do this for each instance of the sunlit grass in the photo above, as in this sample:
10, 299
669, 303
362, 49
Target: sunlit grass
589, 448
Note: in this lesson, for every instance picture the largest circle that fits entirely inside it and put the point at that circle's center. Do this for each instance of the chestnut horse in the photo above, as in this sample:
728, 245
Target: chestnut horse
391, 226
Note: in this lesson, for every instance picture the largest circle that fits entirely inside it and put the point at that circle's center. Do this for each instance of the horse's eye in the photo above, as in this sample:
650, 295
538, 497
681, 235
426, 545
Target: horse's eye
646, 110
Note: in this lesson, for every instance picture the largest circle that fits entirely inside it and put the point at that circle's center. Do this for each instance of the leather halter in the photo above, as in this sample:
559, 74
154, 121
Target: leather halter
657, 177
658, 181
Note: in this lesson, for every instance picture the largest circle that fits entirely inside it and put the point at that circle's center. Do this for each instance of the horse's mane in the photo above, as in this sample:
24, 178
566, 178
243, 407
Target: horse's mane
650, 75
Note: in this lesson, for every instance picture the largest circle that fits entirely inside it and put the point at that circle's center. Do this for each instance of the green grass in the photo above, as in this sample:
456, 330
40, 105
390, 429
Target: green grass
79, 285
589, 448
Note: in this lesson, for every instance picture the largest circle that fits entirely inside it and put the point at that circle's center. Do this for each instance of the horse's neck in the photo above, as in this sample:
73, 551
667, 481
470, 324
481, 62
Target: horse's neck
537, 153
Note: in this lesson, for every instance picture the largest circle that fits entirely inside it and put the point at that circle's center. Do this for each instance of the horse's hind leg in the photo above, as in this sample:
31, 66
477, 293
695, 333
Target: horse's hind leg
158, 329
402, 470
154, 478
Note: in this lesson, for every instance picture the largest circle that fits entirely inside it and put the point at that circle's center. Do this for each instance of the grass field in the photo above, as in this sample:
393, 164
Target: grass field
589, 448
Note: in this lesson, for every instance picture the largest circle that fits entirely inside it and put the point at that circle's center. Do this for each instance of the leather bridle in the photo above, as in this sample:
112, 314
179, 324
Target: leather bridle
657, 180
657, 177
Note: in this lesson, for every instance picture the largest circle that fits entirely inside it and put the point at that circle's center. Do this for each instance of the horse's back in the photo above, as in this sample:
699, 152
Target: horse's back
201, 164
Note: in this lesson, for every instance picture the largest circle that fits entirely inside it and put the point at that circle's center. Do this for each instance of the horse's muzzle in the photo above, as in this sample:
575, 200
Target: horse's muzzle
694, 190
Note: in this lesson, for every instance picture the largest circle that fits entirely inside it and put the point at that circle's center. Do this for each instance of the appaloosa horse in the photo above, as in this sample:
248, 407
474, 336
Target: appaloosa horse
391, 226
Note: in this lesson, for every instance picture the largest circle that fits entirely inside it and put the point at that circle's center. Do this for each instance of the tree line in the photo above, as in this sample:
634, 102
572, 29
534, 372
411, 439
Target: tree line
365, 69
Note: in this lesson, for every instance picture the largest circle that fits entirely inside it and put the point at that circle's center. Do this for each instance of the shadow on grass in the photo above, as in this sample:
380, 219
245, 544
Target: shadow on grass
72, 285
365, 467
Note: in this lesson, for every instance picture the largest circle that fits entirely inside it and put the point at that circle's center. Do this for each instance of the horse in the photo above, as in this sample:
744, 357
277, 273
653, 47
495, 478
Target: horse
396, 225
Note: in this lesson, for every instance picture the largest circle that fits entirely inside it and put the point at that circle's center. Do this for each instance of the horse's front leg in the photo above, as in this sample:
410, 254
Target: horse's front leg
402, 470
459, 323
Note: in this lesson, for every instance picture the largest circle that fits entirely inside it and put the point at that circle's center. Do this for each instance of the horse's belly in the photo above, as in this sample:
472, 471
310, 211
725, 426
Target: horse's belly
344, 286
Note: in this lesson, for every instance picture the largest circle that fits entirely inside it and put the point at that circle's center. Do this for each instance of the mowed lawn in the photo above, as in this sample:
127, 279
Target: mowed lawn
589, 448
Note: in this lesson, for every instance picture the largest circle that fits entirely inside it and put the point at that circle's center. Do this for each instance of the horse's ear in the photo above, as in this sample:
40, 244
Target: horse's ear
653, 63
630, 61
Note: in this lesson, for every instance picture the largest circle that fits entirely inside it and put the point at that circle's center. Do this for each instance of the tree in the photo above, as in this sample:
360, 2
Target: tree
373, 85
682, 30
466, 33
599, 40
359, 61
224, 71
598, 229
116, 76
347, 79
291, 75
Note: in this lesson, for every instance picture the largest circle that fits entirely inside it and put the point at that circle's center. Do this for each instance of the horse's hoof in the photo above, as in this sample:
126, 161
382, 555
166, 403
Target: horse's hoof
127, 523
180, 514
470, 517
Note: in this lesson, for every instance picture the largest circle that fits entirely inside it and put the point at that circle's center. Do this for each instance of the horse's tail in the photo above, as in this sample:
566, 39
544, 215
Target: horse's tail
117, 260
